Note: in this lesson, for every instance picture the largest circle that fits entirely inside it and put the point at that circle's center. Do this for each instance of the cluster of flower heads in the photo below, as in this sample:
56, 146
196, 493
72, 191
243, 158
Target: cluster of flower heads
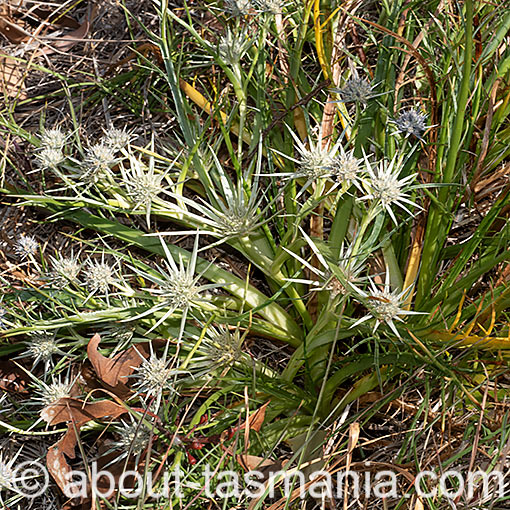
53, 154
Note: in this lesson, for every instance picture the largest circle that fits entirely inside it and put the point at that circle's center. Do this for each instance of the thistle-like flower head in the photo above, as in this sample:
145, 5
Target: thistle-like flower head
339, 276
270, 6
231, 211
64, 270
42, 346
134, 438
26, 246
54, 392
384, 186
116, 138
411, 123
154, 375
99, 275
53, 138
8, 475
99, 160
177, 286
233, 46
315, 160
239, 8
355, 90
49, 158
384, 305
221, 348
49, 394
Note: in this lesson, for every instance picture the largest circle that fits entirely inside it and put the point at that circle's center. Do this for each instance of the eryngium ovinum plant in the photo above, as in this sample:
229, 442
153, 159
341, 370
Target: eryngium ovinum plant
320, 217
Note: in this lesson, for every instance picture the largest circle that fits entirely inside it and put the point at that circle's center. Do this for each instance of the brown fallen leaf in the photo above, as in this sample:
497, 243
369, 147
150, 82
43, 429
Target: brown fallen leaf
66, 42
57, 463
114, 372
80, 412
266, 466
12, 77
256, 420
11, 31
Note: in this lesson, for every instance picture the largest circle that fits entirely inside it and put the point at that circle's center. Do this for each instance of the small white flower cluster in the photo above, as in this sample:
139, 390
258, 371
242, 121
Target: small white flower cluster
42, 346
51, 152
238, 8
52, 393
65, 270
134, 438
233, 46
26, 246
154, 375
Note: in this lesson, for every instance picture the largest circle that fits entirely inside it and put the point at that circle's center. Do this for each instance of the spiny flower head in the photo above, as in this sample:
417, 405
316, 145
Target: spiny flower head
233, 46
385, 187
50, 394
99, 275
178, 286
49, 158
8, 475
338, 276
271, 6
98, 162
411, 122
356, 90
345, 169
26, 246
65, 270
239, 8
384, 305
53, 139
222, 346
134, 437
116, 138
154, 375
42, 346
144, 187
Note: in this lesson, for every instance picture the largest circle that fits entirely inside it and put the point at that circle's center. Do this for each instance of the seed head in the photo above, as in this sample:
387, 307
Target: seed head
26, 246
411, 123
